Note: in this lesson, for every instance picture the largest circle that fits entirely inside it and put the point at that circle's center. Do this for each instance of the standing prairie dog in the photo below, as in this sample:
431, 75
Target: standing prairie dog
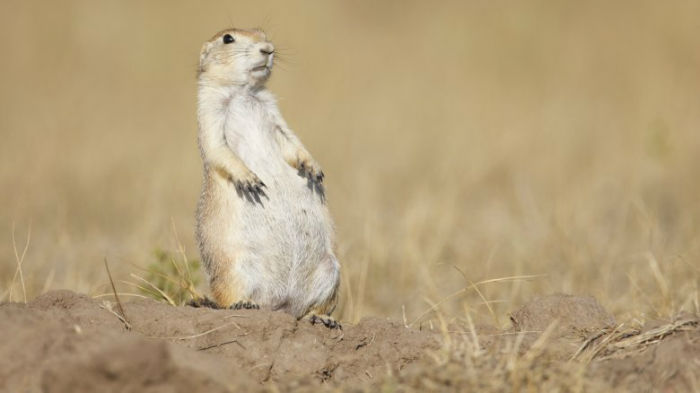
264, 231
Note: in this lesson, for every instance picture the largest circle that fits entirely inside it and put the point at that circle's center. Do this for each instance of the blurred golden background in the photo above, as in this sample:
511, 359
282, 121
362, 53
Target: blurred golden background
462, 142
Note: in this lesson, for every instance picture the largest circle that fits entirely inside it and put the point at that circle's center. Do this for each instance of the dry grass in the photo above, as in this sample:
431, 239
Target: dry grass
464, 364
549, 139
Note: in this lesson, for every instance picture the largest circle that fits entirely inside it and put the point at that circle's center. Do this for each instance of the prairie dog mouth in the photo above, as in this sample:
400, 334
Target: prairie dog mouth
260, 68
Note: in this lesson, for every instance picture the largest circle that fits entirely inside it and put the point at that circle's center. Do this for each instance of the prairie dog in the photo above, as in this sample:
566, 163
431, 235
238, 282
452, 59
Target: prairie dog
264, 231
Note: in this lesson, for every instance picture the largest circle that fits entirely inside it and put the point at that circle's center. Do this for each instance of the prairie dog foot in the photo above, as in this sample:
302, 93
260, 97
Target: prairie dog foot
244, 305
203, 302
326, 320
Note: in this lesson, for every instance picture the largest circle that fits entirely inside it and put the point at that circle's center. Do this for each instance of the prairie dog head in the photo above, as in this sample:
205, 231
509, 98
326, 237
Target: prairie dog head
237, 57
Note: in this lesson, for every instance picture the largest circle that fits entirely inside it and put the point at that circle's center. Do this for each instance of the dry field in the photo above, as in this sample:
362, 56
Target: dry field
478, 155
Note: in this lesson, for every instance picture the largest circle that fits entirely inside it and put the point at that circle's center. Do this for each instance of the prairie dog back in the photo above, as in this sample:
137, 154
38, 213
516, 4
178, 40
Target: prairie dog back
263, 227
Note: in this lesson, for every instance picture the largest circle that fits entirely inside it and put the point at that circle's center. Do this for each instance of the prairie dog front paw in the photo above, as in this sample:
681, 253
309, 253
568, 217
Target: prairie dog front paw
245, 180
307, 166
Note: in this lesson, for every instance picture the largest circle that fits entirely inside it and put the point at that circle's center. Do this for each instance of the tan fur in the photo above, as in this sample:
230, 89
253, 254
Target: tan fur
327, 307
263, 228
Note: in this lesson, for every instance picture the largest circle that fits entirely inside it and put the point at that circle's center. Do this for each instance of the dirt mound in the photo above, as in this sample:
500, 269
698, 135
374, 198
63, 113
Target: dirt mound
130, 364
572, 315
66, 342
69, 342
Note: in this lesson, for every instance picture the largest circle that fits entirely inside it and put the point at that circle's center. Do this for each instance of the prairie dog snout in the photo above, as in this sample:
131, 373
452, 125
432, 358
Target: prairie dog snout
267, 49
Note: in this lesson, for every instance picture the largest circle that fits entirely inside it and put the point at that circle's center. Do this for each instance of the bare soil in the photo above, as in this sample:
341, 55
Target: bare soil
68, 342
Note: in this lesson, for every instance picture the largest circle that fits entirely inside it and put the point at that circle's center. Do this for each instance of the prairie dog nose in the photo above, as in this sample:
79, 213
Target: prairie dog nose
267, 49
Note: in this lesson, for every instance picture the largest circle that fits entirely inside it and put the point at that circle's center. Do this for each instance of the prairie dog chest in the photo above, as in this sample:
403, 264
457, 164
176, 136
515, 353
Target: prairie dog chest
249, 129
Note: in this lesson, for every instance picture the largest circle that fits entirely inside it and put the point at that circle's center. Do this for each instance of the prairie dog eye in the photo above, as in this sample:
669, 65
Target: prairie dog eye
228, 38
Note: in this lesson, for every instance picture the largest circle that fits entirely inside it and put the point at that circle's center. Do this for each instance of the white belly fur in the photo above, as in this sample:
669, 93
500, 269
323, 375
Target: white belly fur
283, 243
